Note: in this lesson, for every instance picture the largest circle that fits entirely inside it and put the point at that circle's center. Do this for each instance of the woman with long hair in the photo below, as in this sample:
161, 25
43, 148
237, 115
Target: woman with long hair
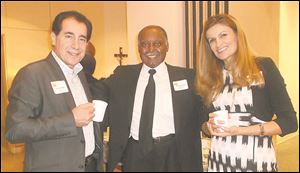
251, 89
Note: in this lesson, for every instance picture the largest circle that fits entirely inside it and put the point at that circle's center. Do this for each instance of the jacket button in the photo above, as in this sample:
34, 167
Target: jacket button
82, 141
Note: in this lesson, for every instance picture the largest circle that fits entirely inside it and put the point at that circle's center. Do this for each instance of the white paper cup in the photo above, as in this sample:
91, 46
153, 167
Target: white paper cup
100, 107
221, 115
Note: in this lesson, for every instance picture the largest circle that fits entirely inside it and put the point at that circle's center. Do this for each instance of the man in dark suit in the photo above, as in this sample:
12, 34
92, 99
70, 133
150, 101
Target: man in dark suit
49, 104
175, 143
89, 62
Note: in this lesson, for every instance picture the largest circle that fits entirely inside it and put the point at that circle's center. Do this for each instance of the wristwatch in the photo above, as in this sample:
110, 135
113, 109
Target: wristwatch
262, 129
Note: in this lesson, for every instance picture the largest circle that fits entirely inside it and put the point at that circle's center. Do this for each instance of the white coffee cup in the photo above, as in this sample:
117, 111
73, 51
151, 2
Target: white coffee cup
221, 115
100, 107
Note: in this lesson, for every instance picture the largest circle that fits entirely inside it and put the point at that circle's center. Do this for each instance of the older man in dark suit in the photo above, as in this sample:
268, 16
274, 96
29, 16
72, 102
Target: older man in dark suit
49, 104
153, 111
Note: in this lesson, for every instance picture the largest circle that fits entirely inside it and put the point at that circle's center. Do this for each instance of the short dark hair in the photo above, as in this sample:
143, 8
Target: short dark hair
153, 26
57, 23
89, 64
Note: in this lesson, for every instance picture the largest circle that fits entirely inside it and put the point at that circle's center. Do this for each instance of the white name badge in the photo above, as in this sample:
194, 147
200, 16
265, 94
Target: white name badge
180, 85
59, 87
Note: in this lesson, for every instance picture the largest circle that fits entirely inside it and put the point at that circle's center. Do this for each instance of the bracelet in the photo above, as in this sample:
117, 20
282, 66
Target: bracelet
262, 130
205, 130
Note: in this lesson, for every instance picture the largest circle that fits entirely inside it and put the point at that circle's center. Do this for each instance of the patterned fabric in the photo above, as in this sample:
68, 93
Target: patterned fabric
240, 153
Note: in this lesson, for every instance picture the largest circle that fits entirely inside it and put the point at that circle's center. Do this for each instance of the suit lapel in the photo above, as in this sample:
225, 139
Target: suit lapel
69, 101
177, 107
85, 85
133, 75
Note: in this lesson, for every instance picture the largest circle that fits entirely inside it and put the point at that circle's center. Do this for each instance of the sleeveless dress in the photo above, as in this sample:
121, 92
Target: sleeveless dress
241, 152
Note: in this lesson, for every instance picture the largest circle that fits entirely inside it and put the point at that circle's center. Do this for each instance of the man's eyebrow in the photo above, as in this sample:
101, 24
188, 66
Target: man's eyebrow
71, 33
83, 36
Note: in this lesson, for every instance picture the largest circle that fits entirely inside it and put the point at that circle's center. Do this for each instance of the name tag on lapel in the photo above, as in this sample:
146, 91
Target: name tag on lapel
59, 87
180, 85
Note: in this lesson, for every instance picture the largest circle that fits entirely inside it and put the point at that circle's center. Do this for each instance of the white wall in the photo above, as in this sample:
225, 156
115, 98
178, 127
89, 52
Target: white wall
169, 15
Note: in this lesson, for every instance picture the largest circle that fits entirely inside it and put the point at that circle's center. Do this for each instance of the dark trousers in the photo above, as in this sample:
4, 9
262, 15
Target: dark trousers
162, 158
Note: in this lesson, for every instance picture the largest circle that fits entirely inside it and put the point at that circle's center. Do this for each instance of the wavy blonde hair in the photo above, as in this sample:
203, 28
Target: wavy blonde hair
209, 69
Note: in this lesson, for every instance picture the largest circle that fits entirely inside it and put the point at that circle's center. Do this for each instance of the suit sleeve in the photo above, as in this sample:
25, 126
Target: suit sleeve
279, 99
25, 120
201, 109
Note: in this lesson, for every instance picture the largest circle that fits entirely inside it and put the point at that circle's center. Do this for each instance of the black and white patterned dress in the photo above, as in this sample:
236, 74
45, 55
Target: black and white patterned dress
242, 152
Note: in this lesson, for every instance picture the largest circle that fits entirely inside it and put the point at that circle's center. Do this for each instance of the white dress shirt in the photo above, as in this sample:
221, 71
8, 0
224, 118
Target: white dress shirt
79, 97
163, 120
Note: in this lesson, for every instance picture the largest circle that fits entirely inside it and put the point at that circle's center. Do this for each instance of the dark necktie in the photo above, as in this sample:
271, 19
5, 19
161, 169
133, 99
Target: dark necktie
146, 122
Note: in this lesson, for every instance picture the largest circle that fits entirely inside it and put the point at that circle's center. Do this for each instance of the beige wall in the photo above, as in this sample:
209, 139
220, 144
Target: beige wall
260, 21
289, 52
26, 26
272, 29
169, 15
26, 40
114, 36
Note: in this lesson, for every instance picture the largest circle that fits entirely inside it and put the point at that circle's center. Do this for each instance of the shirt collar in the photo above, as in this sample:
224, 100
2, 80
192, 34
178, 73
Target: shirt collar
65, 68
160, 69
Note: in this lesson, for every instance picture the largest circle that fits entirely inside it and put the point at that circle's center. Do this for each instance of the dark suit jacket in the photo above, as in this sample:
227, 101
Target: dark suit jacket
273, 98
44, 120
122, 87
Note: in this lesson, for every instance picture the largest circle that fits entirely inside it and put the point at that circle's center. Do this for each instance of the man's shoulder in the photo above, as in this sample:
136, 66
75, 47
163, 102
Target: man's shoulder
128, 67
36, 66
181, 69
37, 63
266, 64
